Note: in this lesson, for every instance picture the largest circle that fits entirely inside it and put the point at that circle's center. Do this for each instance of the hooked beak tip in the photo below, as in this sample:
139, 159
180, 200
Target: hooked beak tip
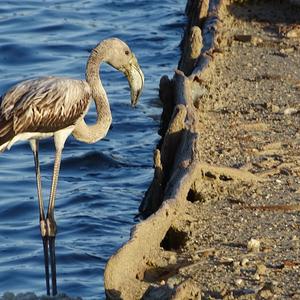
135, 78
135, 98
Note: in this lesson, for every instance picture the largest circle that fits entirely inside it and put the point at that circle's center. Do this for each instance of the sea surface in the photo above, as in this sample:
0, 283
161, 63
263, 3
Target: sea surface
100, 185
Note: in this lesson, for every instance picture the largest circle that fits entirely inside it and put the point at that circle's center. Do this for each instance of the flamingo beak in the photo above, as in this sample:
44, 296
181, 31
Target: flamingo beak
135, 78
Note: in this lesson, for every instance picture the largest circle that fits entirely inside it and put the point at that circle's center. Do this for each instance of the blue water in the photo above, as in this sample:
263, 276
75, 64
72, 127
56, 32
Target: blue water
100, 185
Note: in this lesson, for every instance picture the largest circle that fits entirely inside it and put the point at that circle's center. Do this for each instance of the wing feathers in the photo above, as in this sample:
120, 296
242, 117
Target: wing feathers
43, 105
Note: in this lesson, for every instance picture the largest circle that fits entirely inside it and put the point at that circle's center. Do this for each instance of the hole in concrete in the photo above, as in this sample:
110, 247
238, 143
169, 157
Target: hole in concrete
210, 175
174, 239
194, 196
225, 178
158, 292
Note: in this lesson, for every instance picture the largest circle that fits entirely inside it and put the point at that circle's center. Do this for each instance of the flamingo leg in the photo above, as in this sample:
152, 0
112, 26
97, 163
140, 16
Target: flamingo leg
35, 149
50, 220
59, 140
48, 224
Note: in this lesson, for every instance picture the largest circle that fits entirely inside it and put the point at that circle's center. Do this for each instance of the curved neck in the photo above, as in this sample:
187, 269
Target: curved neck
93, 133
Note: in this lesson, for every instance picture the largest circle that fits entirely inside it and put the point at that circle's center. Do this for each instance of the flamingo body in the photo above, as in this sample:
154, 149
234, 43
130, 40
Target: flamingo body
36, 109
54, 106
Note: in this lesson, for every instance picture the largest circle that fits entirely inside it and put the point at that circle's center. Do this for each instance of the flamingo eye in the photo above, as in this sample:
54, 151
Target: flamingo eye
127, 52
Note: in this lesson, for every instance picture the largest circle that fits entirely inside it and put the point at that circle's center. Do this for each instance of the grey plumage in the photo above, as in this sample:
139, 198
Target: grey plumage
54, 106
45, 104
38, 108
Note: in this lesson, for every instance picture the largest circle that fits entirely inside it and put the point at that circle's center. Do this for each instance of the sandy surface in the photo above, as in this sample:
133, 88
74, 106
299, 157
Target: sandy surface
241, 239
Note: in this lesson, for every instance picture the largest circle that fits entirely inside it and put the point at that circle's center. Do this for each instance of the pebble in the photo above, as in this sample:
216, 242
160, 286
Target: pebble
293, 33
236, 267
256, 41
226, 260
236, 264
195, 257
256, 277
287, 50
265, 294
267, 291
174, 281
261, 269
253, 245
244, 261
172, 259
239, 282
290, 111
223, 290
275, 108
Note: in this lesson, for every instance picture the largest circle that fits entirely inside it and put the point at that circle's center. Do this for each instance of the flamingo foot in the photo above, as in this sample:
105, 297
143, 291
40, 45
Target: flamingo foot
48, 232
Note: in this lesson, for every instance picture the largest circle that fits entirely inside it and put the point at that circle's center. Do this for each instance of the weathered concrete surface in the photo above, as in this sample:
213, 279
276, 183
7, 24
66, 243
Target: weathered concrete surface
227, 168
177, 167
